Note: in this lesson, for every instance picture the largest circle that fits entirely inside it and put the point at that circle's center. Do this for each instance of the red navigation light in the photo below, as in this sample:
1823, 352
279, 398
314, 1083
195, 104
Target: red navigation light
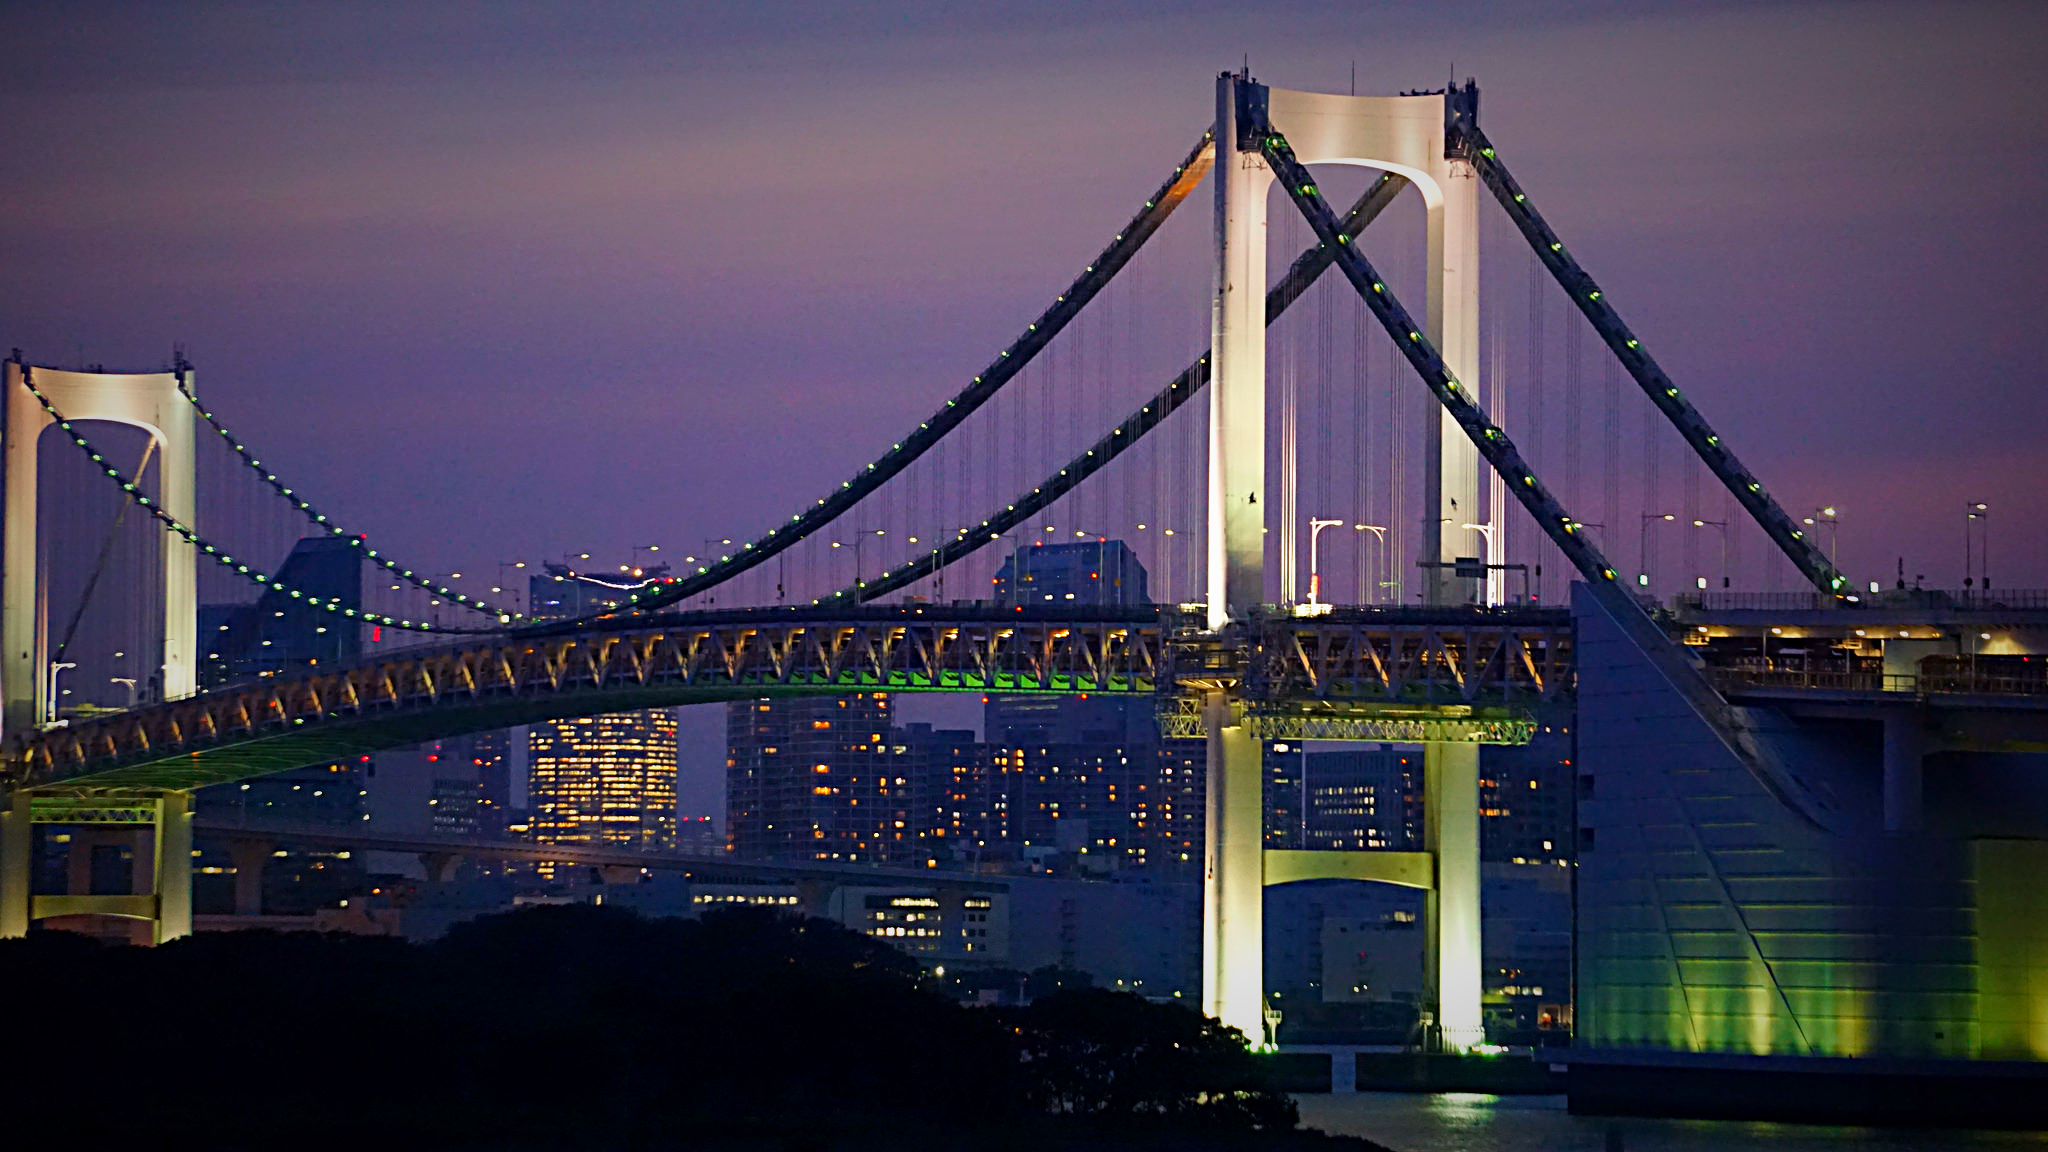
376, 633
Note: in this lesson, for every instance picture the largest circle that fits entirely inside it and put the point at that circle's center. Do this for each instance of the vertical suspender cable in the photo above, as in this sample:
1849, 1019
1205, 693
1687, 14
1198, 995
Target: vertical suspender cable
1533, 384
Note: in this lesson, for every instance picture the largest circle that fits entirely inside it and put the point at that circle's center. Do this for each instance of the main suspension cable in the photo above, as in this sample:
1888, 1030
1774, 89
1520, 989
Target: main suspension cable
1008, 363
1301, 275
185, 531
314, 516
1812, 563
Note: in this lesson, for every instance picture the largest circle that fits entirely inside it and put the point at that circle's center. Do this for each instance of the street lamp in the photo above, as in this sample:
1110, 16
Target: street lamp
1315, 578
1643, 546
127, 682
1379, 532
1722, 526
1826, 516
1977, 515
1486, 533
59, 666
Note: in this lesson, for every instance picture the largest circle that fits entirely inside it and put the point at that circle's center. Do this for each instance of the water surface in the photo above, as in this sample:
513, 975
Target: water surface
1470, 1122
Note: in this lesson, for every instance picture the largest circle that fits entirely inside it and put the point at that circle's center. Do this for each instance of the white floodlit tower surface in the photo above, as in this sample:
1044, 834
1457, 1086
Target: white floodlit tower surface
150, 402
1400, 134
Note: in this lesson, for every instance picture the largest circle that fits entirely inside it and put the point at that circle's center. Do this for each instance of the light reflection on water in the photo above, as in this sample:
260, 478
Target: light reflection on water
1472, 1122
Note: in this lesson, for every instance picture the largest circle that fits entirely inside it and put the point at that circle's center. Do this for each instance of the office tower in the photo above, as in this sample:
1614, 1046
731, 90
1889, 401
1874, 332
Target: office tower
957, 807
1100, 572
818, 778
278, 633
1526, 812
606, 779
1285, 793
1364, 799
1090, 772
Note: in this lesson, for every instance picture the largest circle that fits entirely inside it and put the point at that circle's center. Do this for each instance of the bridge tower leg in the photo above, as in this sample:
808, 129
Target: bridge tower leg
173, 866
1450, 833
1451, 465
1233, 874
1237, 372
150, 402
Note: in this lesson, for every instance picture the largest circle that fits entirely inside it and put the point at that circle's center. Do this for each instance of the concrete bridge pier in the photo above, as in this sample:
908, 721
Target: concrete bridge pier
1233, 875
439, 867
17, 860
1450, 834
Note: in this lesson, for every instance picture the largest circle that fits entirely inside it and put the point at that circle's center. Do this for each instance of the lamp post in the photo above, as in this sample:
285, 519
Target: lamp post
55, 668
127, 682
1379, 532
1722, 526
1643, 546
1977, 516
1826, 516
1315, 579
1486, 533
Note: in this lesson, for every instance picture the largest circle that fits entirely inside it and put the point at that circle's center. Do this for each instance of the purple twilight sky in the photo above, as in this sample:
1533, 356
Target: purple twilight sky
514, 279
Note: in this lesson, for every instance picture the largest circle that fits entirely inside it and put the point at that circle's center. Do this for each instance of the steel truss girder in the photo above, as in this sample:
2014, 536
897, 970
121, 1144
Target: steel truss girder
901, 653
124, 807
1480, 659
1181, 718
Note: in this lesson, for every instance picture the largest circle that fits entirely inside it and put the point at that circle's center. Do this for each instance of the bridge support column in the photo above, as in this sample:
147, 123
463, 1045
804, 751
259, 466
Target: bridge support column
1451, 464
1450, 833
1904, 792
814, 897
439, 867
1237, 374
17, 860
173, 866
1233, 893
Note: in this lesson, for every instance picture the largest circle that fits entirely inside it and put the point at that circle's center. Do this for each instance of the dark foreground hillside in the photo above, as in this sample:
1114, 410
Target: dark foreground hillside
583, 1027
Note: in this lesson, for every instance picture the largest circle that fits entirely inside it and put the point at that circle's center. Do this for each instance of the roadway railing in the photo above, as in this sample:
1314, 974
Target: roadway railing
1930, 599
1938, 676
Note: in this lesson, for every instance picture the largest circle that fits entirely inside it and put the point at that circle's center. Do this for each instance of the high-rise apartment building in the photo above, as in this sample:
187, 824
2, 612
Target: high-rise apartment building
1526, 796
820, 778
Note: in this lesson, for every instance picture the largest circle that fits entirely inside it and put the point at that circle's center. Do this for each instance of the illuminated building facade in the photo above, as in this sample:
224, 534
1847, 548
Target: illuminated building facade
957, 807
1525, 797
607, 779
932, 925
1364, 800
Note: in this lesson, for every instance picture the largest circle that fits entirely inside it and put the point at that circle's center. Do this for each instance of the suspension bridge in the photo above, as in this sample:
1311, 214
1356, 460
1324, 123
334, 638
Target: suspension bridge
1465, 474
